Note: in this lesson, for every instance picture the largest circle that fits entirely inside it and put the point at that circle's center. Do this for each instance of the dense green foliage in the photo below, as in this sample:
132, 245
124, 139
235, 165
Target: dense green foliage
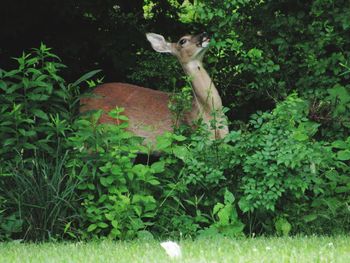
283, 69
37, 109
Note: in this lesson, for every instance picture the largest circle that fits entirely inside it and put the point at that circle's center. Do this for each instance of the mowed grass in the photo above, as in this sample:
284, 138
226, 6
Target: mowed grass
296, 249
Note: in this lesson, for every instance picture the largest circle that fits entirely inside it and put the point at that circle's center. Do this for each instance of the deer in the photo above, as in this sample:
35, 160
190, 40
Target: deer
147, 110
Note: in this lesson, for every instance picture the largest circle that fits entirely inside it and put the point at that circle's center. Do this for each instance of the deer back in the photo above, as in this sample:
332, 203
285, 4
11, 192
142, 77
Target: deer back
147, 109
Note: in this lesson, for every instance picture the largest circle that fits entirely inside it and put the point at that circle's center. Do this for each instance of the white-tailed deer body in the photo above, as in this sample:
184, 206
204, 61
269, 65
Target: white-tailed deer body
147, 109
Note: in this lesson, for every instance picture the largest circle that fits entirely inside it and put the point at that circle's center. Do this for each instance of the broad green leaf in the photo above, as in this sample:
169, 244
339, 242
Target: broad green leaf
228, 196
92, 227
181, 152
179, 138
340, 144
224, 214
109, 216
217, 207
163, 142
116, 170
138, 210
102, 225
115, 223
39, 113
104, 181
342, 189
140, 169
310, 218
300, 136
153, 181
158, 167
344, 155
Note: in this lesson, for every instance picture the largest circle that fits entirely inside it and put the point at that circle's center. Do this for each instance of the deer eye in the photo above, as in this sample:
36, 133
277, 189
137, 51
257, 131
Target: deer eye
183, 41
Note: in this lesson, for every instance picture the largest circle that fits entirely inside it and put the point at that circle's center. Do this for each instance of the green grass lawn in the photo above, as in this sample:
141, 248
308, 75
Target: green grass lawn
298, 249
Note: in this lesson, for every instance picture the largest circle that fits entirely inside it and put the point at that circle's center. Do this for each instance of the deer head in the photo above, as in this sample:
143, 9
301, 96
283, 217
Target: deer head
187, 49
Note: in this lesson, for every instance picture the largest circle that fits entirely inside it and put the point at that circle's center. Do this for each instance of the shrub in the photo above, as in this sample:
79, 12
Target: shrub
37, 108
287, 178
116, 194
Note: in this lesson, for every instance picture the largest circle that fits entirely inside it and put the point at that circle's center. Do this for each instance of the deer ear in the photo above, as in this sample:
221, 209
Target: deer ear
158, 43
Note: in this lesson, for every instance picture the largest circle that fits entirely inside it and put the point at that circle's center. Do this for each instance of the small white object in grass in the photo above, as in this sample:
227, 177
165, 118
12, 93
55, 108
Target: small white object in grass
172, 249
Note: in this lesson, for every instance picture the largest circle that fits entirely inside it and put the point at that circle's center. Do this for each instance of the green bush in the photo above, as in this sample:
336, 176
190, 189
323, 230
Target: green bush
195, 189
326, 209
37, 108
116, 194
279, 155
287, 178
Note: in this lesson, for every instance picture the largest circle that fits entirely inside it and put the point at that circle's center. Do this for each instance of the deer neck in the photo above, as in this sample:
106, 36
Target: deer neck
206, 95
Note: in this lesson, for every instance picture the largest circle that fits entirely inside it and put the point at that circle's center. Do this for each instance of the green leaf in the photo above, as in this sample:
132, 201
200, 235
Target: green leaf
158, 167
138, 210
181, 152
163, 142
140, 170
102, 225
92, 227
38, 97
3, 85
91, 186
116, 170
123, 118
11, 73
145, 235
224, 214
217, 207
115, 233
245, 205
340, 144
12, 88
299, 136
109, 217
342, 189
344, 155
8, 142
229, 198
153, 181
310, 218
105, 181
86, 77
29, 146
255, 53
115, 224
179, 138
339, 92
40, 114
